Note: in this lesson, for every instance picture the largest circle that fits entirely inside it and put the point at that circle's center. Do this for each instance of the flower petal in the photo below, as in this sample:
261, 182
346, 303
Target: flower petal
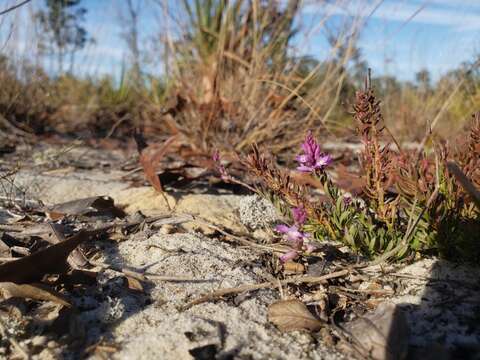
282, 228
347, 200
299, 215
309, 248
302, 158
304, 168
290, 255
294, 235
323, 161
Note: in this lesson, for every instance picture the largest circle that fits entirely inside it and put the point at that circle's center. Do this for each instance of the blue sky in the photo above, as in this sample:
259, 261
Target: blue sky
400, 37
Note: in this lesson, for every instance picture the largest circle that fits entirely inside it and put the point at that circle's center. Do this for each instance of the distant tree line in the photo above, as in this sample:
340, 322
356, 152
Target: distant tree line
62, 32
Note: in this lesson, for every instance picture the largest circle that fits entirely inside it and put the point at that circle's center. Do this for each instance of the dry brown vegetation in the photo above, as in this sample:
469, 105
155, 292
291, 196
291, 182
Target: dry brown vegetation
233, 79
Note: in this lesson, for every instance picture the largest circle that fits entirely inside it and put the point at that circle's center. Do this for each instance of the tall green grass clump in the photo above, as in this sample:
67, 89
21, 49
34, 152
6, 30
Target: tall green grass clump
237, 80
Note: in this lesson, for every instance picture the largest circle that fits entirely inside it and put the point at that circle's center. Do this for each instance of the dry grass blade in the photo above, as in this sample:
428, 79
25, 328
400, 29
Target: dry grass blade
235, 238
250, 287
465, 182
290, 315
16, 6
147, 276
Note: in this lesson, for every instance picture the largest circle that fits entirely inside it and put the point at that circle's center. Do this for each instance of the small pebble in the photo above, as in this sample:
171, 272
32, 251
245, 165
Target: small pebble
46, 354
38, 341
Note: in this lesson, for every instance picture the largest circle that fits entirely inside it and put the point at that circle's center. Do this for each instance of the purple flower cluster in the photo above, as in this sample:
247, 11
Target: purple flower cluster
347, 200
312, 158
219, 166
294, 235
299, 215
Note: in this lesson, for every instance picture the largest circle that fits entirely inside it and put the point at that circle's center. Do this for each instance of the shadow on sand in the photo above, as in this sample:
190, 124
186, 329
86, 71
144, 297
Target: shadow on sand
441, 301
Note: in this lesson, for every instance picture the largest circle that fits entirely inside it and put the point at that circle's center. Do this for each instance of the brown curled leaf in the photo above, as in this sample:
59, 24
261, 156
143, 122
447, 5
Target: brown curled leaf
51, 260
31, 291
290, 315
150, 158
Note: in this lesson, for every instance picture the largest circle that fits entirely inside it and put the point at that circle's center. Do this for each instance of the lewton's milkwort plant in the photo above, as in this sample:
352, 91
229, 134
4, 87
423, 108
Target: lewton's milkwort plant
410, 203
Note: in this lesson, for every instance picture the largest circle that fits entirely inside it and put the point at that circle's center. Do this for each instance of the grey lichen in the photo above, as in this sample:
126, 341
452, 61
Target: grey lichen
256, 212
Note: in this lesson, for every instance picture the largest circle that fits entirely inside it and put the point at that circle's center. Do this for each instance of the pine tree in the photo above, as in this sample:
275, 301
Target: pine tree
62, 33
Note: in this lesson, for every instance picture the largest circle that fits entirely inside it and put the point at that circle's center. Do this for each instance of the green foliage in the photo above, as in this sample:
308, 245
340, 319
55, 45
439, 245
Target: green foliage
237, 27
411, 203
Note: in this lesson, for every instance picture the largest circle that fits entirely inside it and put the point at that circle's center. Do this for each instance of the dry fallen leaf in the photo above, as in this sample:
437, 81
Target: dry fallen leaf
382, 333
96, 205
134, 284
51, 260
292, 267
289, 315
150, 158
31, 291
76, 259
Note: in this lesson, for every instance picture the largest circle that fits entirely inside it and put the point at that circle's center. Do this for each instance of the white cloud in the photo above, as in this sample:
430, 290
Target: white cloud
458, 16
475, 4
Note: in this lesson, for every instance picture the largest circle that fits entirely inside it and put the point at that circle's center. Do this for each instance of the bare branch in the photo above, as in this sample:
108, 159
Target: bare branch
14, 7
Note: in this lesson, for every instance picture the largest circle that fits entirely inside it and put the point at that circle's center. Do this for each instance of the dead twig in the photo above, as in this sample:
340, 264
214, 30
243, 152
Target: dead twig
15, 130
365, 291
174, 278
236, 238
11, 8
270, 284
146, 276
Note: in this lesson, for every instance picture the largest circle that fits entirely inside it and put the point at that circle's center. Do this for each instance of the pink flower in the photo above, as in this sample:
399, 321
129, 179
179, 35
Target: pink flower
299, 215
216, 156
297, 238
309, 248
289, 255
323, 161
312, 159
347, 200
219, 166
292, 234
293, 254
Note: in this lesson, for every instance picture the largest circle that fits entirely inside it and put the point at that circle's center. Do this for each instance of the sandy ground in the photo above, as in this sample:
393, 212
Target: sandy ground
441, 300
